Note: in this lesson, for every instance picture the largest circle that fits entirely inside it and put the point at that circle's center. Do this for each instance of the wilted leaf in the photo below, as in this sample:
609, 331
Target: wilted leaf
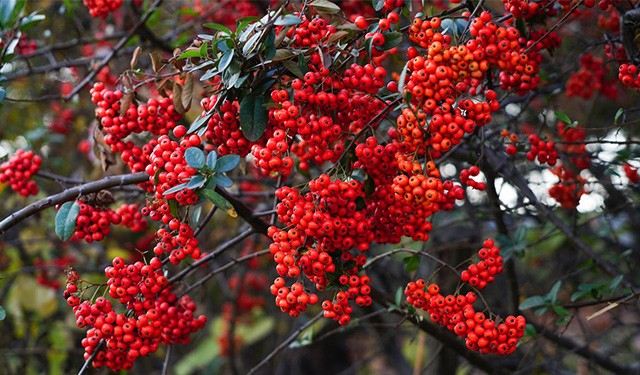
187, 92
134, 58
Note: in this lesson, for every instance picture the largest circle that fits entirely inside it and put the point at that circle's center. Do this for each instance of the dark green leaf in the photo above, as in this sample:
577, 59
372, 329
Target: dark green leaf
212, 158
615, 282
398, 296
377, 4
253, 117
560, 310
288, 20
3, 313
217, 26
294, 68
220, 202
227, 163
412, 262
2, 94
66, 220
325, 7
222, 180
554, 291
175, 189
194, 157
359, 174
617, 116
392, 39
403, 77
531, 302
173, 207
562, 117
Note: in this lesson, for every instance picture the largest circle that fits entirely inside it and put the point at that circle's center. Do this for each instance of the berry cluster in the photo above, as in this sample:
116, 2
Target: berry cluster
292, 300
569, 189
629, 75
482, 273
544, 151
155, 316
465, 178
158, 117
170, 168
358, 289
179, 241
456, 312
591, 78
224, 128
18, 170
94, 223
131, 217
101, 8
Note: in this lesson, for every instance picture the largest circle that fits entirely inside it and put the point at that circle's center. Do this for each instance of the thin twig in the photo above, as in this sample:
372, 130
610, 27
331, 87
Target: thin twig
91, 358
285, 343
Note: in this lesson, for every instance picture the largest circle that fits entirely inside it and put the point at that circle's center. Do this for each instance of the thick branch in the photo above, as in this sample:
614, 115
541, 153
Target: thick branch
70, 194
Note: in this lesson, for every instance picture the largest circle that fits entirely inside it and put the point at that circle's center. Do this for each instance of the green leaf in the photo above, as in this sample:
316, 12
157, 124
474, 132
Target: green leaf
222, 180
562, 117
253, 116
203, 49
175, 189
66, 220
2, 94
196, 182
398, 298
3, 313
294, 68
173, 207
412, 262
359, 174
377, 4
219, 27
560, 310
615, 282
392, 39
251, 44
325, 7
225, 60
534, 301
287, 20
31, 20
403, 77
617, 116
551, 297
189, 54
212, 158
220, 202
227, 163
194, 157
530, 330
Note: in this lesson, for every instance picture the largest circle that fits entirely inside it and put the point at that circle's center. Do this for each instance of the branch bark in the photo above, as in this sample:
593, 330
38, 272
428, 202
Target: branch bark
70, 194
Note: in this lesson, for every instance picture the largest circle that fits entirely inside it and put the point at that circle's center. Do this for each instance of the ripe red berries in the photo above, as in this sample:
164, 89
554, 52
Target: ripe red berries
19, 169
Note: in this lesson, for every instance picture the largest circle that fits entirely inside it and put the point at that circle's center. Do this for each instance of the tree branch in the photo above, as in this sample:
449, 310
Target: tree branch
70, 194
